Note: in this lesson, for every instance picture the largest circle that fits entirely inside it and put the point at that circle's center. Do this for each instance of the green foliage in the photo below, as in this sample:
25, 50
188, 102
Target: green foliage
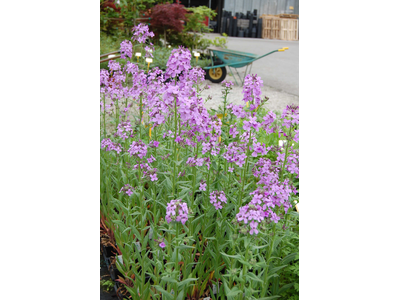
196, 41
160, 55
110, 43
219, 42
107, 285
128, 10
197, 17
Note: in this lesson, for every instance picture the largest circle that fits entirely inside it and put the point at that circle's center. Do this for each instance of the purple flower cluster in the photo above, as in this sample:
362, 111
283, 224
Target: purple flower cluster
290, 115
148, 172
127, 189
126, 49
110, 146
196, 75
227, 84
124, 130
251, 123
149, 51
203, 185
141, 33
216, 198
192, 161
235, 153
253, 214
114, 65
178, 62
153, 144
104, 77
177, 211
252, 90
271, 192
238, 111
233, 131
292, 161
258, 149
268, 120
138, 149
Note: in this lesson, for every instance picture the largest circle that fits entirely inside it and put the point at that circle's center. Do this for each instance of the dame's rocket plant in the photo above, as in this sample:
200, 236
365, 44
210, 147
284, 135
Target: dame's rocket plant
195, 198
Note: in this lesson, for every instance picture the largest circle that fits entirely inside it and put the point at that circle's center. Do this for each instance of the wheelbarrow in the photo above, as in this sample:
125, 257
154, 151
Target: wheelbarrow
222, 58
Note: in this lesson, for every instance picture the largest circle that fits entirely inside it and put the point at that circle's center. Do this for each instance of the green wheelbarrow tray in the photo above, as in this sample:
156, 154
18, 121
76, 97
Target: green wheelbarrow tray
230, 58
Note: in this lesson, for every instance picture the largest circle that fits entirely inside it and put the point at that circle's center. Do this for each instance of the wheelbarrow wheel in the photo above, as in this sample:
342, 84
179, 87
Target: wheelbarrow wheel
216, 75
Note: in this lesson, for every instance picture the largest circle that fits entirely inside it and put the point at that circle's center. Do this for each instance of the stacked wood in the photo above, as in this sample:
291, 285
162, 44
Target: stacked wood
276, 27
280, 27
270, 27
288, 16
289, 29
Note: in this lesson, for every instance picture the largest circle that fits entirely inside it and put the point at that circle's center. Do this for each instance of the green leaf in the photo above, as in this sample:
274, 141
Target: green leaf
169, 279
180, 296
289, 258
273, 270
186, 281
167, 295
233, 292
285, 288
254, 277
237, 256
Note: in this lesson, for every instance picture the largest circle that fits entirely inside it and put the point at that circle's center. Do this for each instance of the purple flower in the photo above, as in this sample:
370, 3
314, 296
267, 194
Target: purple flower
151, 159
252, 214
233, 131
216, 198
154, 144
227, 84
177, 211
138, 149
127, 189
290, 115
178, 62
141, 33
252, 90
149, 51
126, 49
153, 177
230, 169
104, 77
203, 185
162, 245
124, 130
110, 146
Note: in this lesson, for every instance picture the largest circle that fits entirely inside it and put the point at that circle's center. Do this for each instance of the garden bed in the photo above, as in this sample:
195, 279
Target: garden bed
196, 203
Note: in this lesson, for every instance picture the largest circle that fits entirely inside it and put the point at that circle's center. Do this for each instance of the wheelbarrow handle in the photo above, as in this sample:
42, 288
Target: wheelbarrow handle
283, 49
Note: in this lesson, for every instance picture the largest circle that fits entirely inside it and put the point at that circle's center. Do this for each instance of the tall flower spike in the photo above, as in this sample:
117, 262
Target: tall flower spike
178, 62
126, 49
141, 33
216, 198
177, 211
252, 89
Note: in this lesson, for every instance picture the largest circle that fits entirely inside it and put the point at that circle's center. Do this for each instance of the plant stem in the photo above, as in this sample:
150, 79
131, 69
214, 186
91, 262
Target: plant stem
174, 145
244, 172
265, 287
176, 259
104, 116
286, 153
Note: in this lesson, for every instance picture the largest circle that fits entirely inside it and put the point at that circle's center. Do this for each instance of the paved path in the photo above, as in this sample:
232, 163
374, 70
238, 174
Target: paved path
279, 72
278, 100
